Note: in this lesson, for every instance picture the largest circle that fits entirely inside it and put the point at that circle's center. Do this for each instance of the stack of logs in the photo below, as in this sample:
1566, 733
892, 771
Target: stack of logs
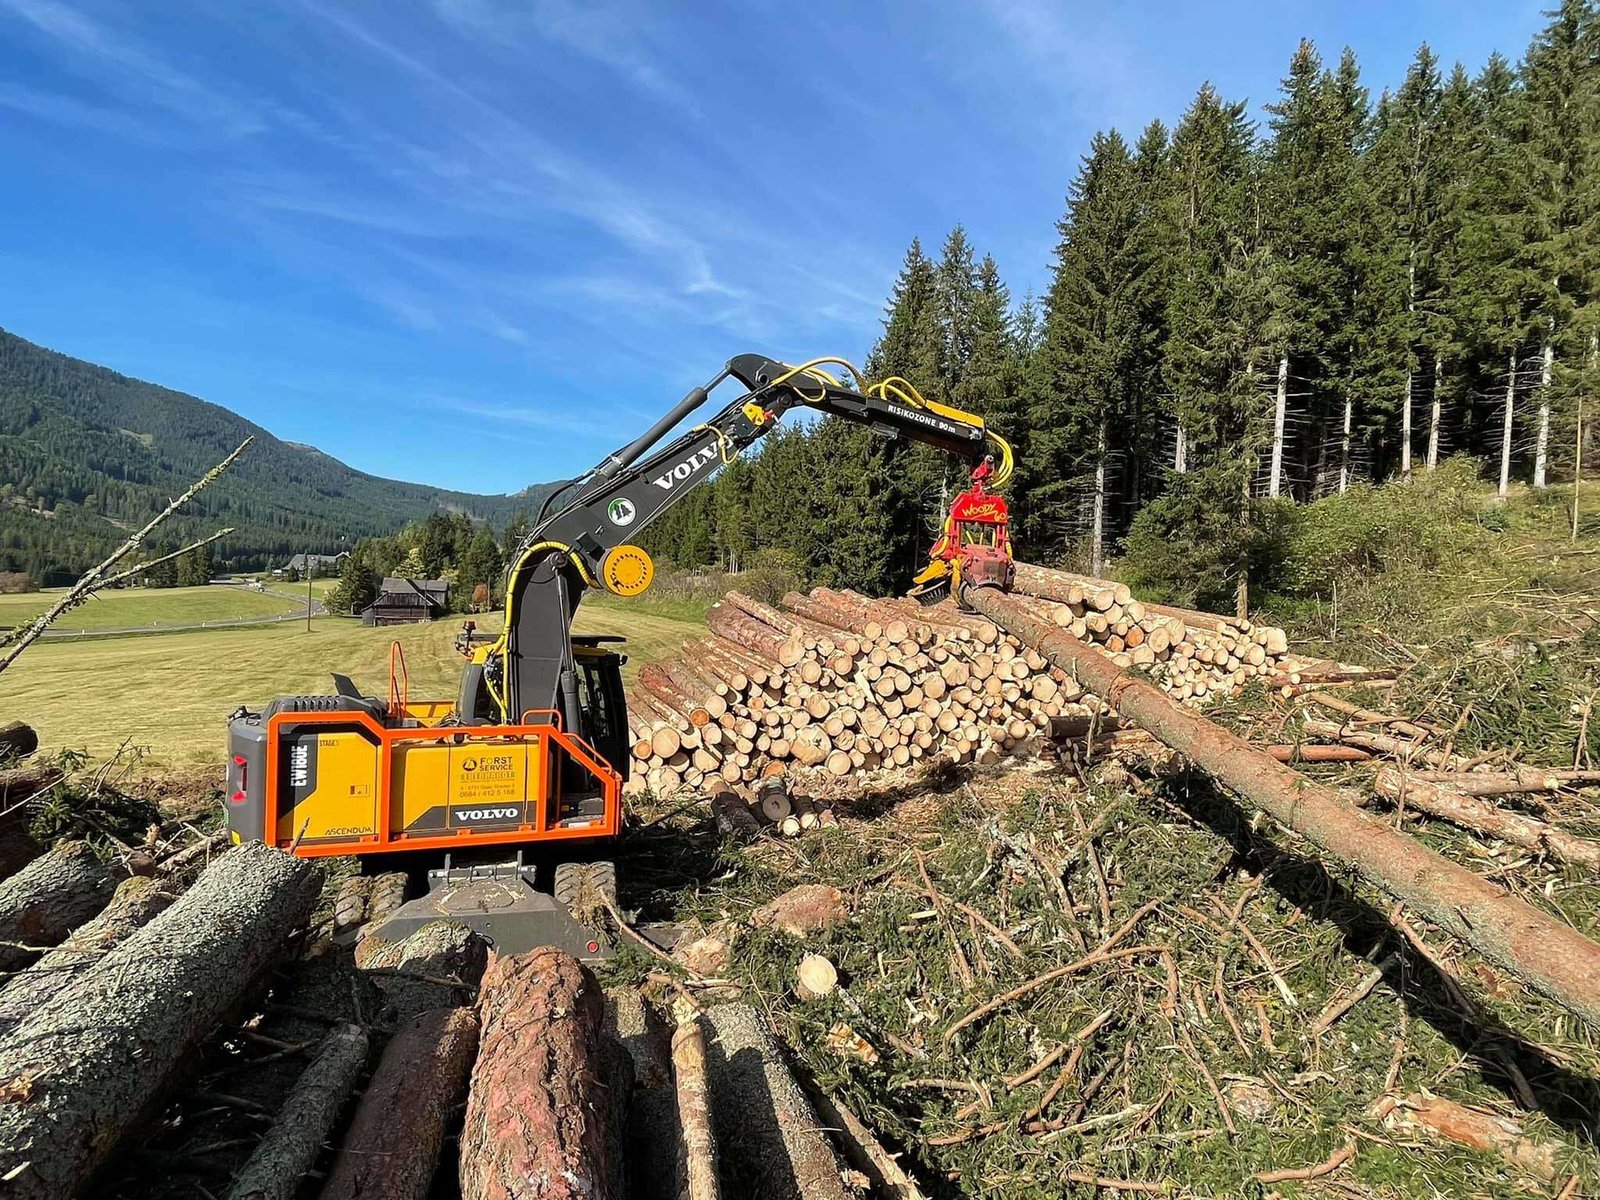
846, 684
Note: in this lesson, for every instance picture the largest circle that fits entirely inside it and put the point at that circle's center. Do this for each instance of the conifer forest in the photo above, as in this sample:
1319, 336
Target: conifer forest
1246, 310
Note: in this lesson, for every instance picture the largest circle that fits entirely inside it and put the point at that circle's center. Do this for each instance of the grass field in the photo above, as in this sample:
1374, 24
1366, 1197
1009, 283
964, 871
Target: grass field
132, 607
172, 694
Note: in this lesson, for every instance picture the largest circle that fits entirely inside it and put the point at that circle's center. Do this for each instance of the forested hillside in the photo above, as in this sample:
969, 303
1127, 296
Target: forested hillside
1242, 313
87, 454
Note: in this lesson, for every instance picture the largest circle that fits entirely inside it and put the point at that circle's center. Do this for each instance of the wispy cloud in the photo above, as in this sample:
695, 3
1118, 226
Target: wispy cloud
121, 64
1073, 52
614, 35
70, 112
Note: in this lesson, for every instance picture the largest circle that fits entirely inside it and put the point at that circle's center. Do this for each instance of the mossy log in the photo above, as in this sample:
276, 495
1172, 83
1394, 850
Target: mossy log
49, 898
135, 903
536, 1125
392, 1149
86, 1068
279, 1163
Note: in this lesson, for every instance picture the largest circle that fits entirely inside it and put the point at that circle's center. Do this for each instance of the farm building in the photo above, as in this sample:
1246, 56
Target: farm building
408, 601
317, 564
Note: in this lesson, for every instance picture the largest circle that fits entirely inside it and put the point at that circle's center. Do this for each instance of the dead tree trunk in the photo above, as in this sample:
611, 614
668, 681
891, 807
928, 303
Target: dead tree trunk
1436, 412
1541, 445
698, 1143
392, 1149
1551, 957
536, 1112
137, 900
83, 1069
1505, 428
291, 1147
1280, 415
770, 1141
48, 899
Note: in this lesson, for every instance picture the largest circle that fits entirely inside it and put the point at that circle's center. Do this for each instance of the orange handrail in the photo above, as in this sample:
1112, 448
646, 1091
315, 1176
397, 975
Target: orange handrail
389, 738
399, 685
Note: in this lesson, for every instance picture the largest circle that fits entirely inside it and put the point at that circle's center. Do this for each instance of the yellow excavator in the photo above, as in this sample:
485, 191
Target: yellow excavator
518, 781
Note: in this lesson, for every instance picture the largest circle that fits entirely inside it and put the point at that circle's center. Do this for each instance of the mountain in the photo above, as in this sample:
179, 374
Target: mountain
87, 455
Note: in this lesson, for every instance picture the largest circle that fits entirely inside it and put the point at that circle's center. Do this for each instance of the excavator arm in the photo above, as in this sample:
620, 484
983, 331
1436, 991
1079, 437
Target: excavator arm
528, 673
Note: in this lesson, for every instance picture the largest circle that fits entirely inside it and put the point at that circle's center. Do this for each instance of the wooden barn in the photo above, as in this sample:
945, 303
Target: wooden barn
407, 602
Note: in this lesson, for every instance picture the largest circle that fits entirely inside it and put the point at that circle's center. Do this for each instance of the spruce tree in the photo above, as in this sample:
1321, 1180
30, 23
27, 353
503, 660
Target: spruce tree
1490, 303
1312, 197
1406, 174
1150, 409
1090, 359
988, 382
1346, 355
1561, 109
1221, 325
958, 299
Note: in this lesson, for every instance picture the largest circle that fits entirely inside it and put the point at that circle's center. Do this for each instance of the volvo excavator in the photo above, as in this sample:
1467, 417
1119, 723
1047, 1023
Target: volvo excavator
518, 781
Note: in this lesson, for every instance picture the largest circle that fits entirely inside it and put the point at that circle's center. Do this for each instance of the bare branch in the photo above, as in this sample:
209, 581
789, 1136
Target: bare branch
96, 577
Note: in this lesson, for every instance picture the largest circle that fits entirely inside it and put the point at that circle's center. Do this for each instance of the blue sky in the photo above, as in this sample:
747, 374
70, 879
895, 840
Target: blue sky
479, 243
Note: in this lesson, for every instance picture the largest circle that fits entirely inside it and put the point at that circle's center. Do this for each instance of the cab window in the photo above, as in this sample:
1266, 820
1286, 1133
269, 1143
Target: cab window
975, 534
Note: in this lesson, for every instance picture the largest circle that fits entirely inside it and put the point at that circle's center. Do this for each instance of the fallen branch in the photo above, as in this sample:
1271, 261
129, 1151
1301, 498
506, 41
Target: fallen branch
1327, 1167
1343, 1003
1469, 812
135, 572
95, 578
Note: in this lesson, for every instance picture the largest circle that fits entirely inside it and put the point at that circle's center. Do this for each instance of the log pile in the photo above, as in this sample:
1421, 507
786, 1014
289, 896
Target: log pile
85, 1065
843, 684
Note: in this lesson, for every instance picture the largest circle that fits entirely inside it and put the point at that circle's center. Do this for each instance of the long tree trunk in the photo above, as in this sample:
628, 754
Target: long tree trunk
1541, 446
1547, 954
1180, 458
1279, 416
1097, 535
1577, 451
136, 902
1344, 445
1505, 431
392, 1148
282, 1159
1433, 418
536, 1114
102, 1053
